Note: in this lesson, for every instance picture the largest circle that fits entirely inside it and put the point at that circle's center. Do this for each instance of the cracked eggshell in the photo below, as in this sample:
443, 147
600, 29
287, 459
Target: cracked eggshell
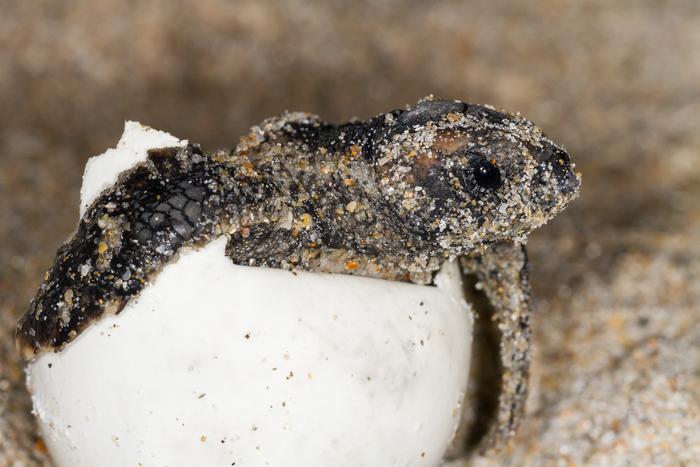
216, 363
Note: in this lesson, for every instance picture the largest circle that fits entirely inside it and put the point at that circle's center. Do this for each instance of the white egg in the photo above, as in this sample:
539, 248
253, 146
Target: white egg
217, 365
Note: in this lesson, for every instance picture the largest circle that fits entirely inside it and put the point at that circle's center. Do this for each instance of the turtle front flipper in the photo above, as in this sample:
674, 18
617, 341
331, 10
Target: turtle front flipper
502, 272
170, 201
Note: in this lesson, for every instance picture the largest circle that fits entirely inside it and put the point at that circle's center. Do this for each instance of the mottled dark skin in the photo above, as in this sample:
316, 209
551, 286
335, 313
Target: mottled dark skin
392, 197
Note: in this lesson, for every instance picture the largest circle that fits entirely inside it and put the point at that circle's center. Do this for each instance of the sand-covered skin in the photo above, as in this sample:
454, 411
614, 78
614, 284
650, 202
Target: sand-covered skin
393, 197
616, 336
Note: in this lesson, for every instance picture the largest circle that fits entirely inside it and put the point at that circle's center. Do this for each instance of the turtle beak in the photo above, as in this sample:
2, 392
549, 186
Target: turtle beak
554, 157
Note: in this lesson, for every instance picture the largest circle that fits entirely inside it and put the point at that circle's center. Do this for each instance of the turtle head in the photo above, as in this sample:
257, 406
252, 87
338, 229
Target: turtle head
462, 174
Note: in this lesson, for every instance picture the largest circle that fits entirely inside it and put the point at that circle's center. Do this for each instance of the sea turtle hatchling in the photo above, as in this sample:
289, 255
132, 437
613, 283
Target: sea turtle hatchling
392, 197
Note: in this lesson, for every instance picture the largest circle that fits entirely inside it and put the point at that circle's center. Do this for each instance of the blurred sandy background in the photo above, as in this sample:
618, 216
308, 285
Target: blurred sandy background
616, 377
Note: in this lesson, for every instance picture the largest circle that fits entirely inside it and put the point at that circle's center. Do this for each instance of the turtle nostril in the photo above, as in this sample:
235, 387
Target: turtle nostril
556, 161
551, 153
554, 157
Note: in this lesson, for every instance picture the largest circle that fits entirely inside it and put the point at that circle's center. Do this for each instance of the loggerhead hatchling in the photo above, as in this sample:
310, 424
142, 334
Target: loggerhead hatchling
392, 197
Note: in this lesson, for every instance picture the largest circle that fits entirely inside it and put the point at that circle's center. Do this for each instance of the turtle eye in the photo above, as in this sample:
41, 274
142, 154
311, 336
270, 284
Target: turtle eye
486, 174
